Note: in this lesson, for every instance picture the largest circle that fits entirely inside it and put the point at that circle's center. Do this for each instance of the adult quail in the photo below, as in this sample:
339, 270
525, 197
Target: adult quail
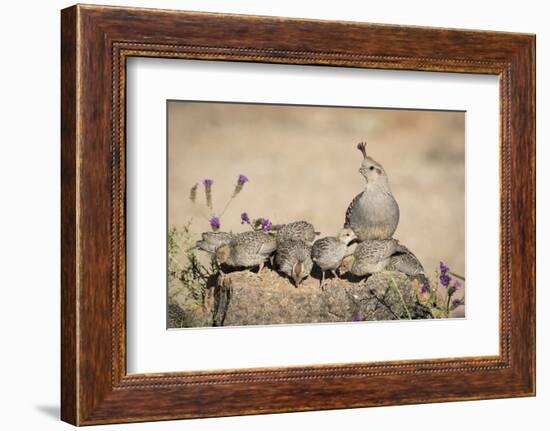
212, 240
295, 230
373, 213
246, 249
403, 260
329, 252
372, 256
293, 258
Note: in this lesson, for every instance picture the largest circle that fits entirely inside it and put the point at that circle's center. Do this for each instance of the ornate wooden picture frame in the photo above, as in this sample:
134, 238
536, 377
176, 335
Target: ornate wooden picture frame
96, 41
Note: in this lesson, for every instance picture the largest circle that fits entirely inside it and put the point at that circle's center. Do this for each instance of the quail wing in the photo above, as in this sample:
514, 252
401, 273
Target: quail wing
404, 260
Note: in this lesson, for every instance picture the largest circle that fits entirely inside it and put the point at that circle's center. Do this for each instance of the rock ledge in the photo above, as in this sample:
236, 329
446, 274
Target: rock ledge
245, 298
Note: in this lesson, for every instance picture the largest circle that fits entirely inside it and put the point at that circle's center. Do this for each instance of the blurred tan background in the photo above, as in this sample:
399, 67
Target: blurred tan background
303, 164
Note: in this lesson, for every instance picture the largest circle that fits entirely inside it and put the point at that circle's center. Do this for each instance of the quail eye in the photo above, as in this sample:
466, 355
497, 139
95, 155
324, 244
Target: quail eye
372, 168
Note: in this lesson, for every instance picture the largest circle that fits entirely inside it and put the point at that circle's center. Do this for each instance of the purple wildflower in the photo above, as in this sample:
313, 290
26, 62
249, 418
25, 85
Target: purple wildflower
357, 317
444, 279
425, 287
215, 223
457, 302
261, 223
193, 193
245, 218
208, 191
443, 268
240, 183
452, 289
266, 225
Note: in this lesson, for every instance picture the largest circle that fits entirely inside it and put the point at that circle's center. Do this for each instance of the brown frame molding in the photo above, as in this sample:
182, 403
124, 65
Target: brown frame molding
95, 43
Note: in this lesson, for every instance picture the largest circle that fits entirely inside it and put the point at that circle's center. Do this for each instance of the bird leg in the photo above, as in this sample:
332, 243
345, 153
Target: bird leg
322, 285
334, 273
221, 276
260, 267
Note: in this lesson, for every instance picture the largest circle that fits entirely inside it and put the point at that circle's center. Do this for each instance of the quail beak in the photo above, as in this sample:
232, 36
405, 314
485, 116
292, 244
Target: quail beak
297, 281
219, 261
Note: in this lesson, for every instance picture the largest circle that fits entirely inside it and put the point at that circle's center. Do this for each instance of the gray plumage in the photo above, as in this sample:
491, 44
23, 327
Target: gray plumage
374, 213
247, 249
372, 256
403, 260
212, 240
329, 252
293, 258
295, 230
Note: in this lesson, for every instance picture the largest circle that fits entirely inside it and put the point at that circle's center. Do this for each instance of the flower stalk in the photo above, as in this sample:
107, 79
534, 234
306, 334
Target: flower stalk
214, 218
208, 191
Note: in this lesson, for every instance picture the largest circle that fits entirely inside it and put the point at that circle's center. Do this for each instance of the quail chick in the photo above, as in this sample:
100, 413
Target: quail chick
212, 240
329, 252
246, 249
403, 260
296, 230
293, 258
374, 213
372, 256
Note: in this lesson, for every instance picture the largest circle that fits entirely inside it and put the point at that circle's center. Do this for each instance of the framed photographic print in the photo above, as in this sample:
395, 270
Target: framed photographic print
267, 215
286, 204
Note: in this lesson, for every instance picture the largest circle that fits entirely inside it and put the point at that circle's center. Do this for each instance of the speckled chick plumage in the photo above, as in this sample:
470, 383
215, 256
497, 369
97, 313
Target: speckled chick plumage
328, 252
295, 230
293, 259
373, 214
246, 249
211, 241
372, 256
403, 260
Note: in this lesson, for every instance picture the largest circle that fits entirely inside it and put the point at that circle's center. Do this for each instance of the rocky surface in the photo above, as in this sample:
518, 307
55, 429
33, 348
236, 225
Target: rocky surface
246, 298
190, 307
